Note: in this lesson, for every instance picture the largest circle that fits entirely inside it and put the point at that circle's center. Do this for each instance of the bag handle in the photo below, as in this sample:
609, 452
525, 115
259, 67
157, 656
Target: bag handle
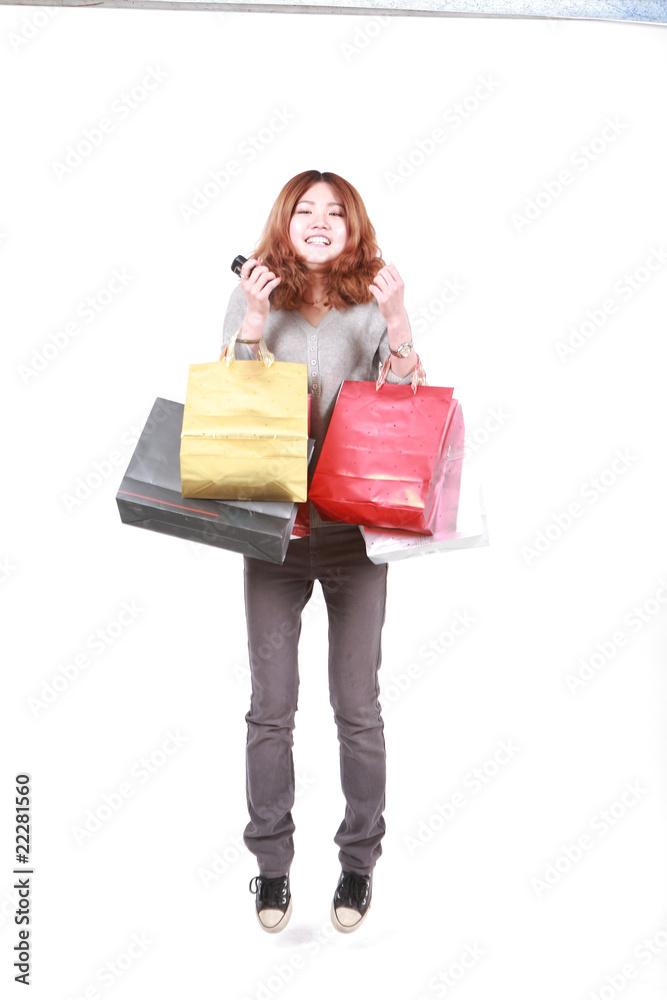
263, 353
418, 375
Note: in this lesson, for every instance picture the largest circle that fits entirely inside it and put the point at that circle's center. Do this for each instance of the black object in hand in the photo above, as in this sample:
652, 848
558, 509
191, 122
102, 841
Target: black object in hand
237, 264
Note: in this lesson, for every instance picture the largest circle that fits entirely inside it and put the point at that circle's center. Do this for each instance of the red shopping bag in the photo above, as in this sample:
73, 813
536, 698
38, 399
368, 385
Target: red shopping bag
383, 455
302, 523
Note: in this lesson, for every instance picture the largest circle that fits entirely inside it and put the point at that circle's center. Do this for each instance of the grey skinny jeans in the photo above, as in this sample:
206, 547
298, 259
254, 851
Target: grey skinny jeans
275, 596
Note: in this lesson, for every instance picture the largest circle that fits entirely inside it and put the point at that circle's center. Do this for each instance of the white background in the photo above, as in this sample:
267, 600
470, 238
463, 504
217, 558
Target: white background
363, 93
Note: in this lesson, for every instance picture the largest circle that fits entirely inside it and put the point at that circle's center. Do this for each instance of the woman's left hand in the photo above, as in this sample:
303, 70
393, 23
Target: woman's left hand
388, 289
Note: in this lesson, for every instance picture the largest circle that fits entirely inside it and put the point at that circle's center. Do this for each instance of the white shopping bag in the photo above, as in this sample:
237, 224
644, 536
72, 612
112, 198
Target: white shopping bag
460, 518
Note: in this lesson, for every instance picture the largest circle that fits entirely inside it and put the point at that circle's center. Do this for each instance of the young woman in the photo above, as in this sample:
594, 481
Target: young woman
319, 292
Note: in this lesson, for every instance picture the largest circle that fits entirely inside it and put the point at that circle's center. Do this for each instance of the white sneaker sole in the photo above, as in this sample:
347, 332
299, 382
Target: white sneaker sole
282, 923
344, 928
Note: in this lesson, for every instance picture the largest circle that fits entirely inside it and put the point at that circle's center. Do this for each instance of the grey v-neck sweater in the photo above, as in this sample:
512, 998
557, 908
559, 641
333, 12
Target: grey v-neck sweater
346, 344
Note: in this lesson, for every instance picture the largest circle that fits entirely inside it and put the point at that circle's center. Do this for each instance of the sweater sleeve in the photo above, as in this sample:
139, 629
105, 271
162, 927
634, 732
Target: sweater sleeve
233, 319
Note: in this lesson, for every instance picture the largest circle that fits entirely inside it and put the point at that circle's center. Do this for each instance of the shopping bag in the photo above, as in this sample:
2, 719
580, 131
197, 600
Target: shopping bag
301, 526
459, 520
245, 430
150, 497
383, 455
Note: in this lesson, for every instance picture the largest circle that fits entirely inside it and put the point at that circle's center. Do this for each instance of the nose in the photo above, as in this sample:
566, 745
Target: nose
320, 219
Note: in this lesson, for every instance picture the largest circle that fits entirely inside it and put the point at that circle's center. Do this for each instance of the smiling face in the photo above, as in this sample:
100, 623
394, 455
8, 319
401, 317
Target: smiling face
318, 228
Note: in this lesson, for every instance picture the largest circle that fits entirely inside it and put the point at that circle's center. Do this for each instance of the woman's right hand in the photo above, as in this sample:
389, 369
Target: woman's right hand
257, 282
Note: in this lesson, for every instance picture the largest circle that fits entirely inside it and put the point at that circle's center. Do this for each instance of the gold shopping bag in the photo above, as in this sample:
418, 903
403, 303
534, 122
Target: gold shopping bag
245, 429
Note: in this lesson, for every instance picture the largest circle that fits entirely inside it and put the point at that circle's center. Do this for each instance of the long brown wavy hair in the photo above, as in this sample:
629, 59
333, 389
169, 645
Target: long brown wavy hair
349, 275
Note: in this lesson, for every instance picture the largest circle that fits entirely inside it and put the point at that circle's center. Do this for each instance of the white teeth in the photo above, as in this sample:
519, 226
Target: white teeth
322, 240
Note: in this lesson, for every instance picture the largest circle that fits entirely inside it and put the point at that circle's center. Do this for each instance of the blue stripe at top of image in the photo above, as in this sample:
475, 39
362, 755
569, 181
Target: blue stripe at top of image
638, 11
649, 11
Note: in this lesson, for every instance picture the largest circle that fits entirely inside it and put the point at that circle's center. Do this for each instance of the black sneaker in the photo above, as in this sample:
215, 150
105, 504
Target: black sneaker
351, 902
274, 902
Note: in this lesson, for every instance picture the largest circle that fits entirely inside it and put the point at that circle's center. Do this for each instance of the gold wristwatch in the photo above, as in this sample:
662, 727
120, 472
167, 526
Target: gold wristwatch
403, 350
